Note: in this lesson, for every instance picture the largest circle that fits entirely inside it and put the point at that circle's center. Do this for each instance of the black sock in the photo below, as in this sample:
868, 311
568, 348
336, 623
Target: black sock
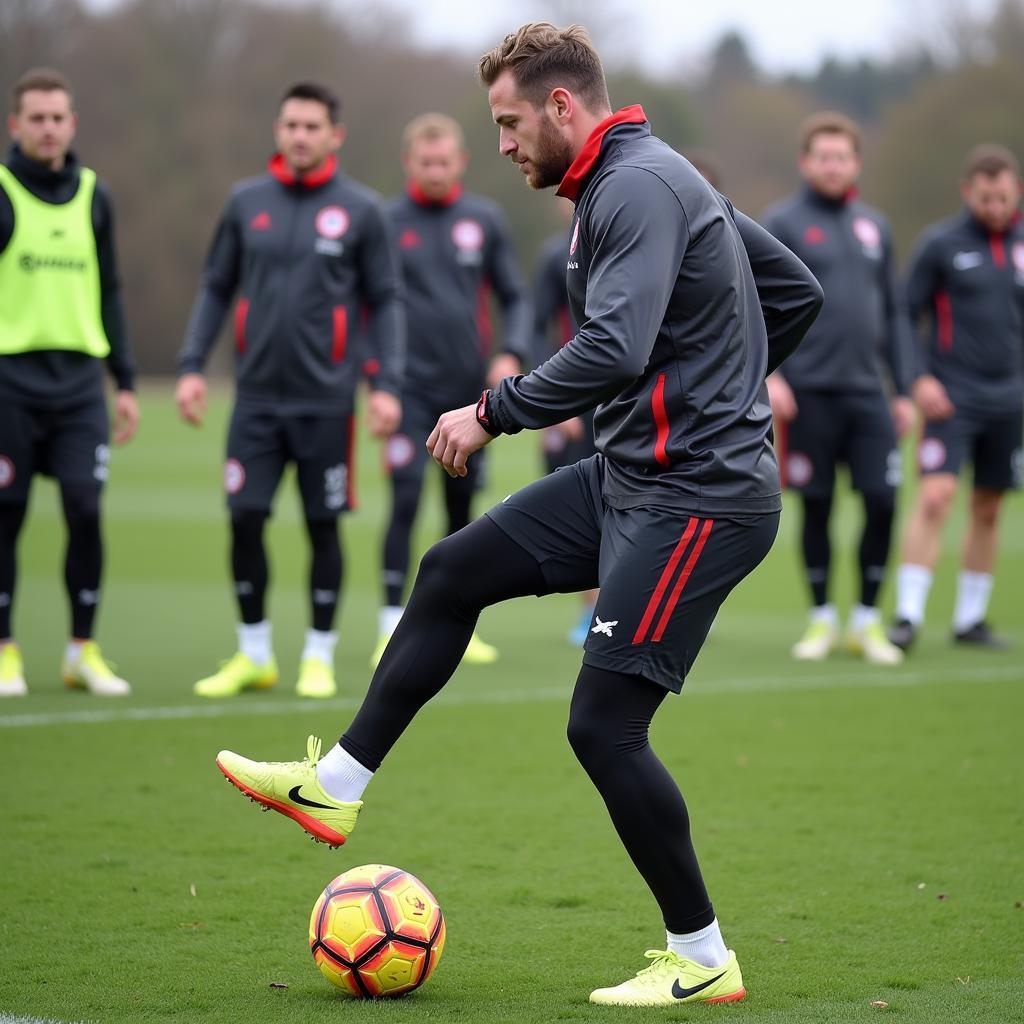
608, 726
879, 512
405, 498
11, 518
249, 563
817, 550
326, 568
83, 559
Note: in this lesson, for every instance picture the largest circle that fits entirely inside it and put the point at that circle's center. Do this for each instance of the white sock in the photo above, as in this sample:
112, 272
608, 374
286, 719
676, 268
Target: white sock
861, 616
387, 618
972, 593
825, 613
320, 645
254, 641
73, 650
912, 585
341, 775
707, 946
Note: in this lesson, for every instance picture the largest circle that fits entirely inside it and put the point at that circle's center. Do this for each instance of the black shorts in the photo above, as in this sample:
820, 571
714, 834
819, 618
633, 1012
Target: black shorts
663, 573
261, 443
69, 443
991, 443
406, 454
559, 452
836, 427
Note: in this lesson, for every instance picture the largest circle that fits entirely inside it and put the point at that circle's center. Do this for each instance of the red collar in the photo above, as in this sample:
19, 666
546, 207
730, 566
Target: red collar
587, 156
311, 179
417, 195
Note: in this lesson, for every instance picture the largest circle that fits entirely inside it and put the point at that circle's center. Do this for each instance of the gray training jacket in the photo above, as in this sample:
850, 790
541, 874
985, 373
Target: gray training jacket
684, 304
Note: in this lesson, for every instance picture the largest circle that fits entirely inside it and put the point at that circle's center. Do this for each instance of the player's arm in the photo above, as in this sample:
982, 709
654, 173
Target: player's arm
899, 340
508, 285
217, 288
637, 234
789, 293
385, 324
120, 363
924, 282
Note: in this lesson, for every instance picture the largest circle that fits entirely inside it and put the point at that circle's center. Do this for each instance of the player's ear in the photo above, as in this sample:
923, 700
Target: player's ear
338, 133
560, 104
12, 126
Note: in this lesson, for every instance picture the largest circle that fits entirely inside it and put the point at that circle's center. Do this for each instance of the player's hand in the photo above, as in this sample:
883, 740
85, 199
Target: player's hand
903, 415
126, 416
780, 394
931, 398
504, 365
571, 430
383, 413
456, 436
190, 396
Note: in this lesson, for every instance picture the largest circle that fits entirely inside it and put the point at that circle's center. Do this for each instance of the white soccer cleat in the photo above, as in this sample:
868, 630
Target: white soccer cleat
87, 670
817, 643
12, 672
873, 645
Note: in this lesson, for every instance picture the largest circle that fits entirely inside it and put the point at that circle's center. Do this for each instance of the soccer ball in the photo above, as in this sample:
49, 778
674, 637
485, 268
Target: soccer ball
376, 931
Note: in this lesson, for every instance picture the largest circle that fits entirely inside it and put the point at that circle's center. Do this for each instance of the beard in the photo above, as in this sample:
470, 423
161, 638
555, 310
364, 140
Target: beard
553, 158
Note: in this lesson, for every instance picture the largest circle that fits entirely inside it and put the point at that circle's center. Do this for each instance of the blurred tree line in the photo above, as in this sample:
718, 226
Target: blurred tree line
176, 99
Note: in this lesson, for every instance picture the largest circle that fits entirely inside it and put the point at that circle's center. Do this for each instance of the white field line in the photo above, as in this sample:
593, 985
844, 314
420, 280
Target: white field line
246, 708
6, 1018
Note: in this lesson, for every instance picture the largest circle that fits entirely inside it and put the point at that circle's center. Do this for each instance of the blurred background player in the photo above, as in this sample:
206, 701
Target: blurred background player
306, 248
453, 247
967, 277
553, 326
60, 317
833, 391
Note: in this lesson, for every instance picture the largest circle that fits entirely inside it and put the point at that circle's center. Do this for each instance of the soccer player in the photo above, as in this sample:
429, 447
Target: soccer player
306, 249
844, 395
672, 290
61, 318
454, 247
967, 278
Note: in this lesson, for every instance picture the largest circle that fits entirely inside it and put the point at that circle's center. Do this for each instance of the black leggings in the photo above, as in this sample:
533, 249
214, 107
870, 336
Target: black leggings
608, 723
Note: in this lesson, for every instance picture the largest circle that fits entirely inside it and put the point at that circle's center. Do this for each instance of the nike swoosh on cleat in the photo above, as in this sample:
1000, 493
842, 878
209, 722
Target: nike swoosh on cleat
685, 993
293, 794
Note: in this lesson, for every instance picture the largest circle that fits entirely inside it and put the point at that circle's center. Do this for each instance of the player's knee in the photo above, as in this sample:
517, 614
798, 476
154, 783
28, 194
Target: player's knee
323, 536
247, 524
440, 568
985, 506
81, 507
936, 498
587, 738
880, 506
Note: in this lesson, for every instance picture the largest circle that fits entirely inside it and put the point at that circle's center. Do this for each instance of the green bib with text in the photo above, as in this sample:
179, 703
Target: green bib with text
50, 274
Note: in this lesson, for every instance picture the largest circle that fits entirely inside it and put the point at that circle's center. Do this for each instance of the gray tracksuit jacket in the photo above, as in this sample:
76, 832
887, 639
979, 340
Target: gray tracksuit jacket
684, 304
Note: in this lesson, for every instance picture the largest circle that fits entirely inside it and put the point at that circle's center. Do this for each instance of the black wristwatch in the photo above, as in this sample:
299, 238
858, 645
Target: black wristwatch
483, 413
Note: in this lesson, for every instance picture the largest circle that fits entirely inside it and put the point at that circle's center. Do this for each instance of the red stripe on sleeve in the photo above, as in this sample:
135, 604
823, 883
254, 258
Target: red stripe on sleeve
684, 578
944, 320
339, 333
659, 591
241, 315
661, 421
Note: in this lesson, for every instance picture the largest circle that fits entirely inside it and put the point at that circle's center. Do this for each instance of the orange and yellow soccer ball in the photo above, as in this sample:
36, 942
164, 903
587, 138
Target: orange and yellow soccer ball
376, 931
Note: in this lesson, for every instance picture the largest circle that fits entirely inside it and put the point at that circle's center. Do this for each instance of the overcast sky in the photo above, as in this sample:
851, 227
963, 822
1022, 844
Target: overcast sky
667, 34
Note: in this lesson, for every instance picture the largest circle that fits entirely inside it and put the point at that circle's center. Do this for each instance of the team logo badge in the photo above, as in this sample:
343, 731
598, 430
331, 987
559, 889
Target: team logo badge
336, 486
468, 235
234, 476
932, 454
799, 469
814, 235
575, 238
399, 451
332, 222
868, 234
101, 469
409, 239
1018, 256
6, 472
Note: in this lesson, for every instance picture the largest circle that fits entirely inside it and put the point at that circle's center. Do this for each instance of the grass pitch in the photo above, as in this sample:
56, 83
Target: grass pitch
860, 829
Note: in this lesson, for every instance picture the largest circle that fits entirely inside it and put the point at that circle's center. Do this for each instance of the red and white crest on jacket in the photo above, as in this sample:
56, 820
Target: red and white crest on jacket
6, 472
332, 222
1018, 256
575, 238
867, 232
468, 235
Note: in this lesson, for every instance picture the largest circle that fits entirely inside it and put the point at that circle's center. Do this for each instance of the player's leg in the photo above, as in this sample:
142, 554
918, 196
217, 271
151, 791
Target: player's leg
998, 466
875, 467
815, 442
941, 453
649, 645
255, 460
17, 427
541, 540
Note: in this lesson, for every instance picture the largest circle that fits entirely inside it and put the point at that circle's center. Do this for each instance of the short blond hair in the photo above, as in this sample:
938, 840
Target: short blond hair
39, 80
431, 127
828, 122
542, 57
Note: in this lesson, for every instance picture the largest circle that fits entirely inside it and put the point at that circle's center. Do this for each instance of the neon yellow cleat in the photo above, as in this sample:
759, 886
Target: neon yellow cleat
480, 653
873, 645
316, 679
12, 672
236, 674
673, 979
88, 671
292, 788
817, 643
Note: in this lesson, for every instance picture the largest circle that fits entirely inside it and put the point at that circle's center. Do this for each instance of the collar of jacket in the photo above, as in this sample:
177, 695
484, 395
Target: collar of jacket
983, 230
572, 183
828, 202
40, 178
311, 179
420, 198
